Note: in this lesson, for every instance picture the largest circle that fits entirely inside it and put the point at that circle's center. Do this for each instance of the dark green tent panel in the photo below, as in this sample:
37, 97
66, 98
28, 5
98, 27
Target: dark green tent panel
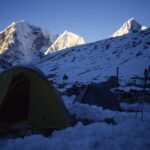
25, 94
100, 95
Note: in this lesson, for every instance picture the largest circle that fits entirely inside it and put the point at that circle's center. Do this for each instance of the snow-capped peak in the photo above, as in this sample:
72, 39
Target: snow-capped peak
65, 40
131, 26
69, 36
23, 40
15, 25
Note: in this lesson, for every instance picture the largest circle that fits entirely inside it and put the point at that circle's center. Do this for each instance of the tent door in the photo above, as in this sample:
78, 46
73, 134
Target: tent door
16, 103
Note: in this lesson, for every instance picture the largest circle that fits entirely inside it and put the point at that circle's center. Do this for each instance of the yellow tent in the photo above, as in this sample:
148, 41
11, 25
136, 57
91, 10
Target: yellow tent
25, 94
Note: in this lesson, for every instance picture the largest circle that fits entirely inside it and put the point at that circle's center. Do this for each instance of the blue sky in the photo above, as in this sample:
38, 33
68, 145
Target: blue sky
91, 19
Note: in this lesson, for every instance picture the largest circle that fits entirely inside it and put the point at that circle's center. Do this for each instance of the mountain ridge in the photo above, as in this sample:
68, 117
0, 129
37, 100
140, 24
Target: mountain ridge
97, 61
92, 62
24, 42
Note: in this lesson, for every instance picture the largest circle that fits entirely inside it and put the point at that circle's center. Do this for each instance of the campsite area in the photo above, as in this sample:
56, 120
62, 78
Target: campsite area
44, 119
74, 75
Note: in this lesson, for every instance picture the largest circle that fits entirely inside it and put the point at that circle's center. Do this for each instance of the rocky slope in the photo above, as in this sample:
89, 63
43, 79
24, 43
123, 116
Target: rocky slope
96, 62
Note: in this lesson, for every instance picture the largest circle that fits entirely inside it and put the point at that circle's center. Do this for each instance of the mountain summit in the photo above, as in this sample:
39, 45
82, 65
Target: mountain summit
65, 40
20, 42
131, 26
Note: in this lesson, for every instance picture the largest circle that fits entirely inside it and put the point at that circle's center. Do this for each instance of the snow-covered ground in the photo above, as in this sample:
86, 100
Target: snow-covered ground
128, 133
96, 62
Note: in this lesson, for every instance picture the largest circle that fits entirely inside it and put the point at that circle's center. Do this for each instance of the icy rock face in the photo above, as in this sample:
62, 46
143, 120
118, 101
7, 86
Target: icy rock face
65, 40
21, 43
131, 26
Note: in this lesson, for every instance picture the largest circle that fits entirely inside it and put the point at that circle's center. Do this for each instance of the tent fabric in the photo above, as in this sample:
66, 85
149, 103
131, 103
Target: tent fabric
100, 95
26, 94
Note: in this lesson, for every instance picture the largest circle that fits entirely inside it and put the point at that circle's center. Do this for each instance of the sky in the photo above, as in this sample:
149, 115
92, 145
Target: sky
92, 19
